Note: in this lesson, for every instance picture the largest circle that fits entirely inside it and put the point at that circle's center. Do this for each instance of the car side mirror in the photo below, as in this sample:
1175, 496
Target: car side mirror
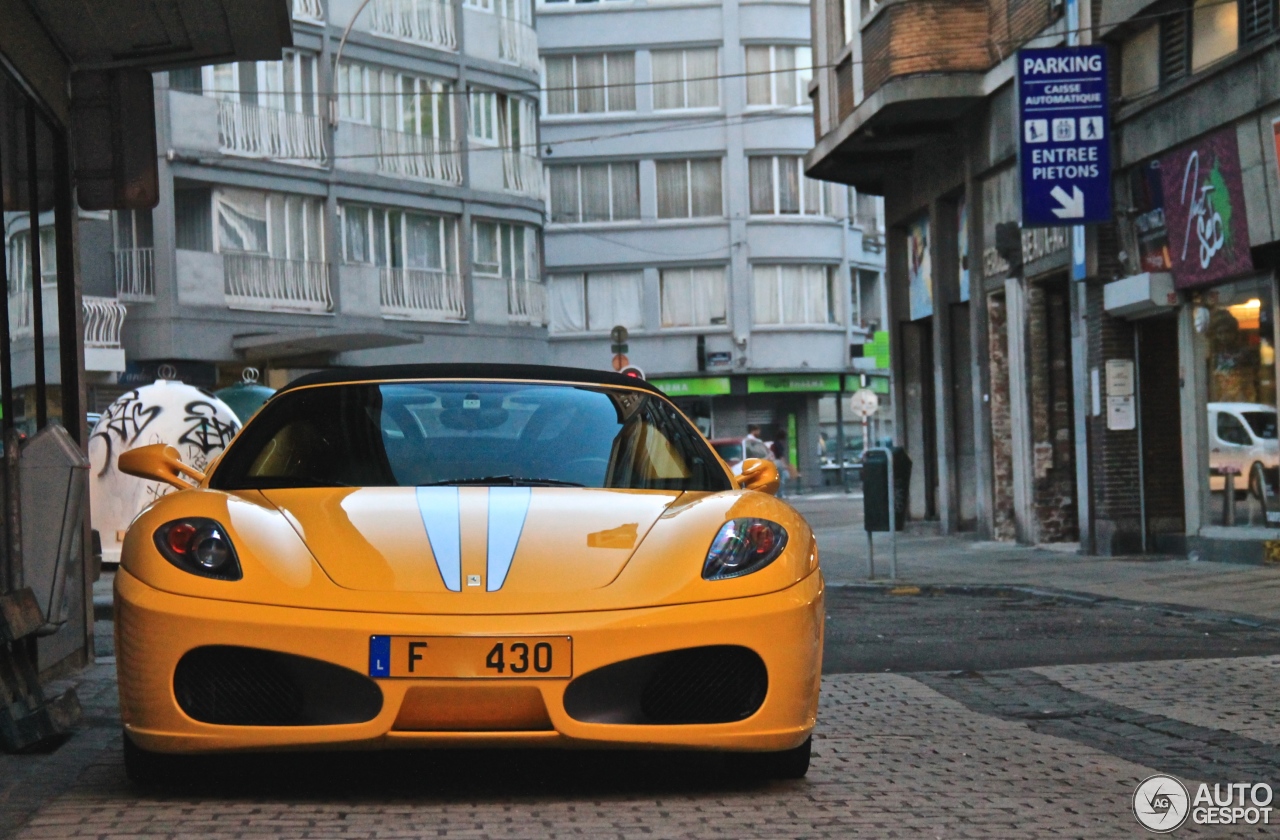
158, 462
759, 474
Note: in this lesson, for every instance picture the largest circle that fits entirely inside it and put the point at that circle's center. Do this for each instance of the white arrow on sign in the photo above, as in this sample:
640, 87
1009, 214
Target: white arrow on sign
1072, 205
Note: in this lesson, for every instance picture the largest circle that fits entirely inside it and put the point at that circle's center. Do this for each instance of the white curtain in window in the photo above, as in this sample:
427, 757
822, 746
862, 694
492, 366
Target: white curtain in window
1215, 32
760, 171
422, 242
355, 223
590, 84
242, 220
788, 184
792, 285
693, 297
816, 297
295, 217
765, 305
564, 193
626, 190
559, 84
709, 296
758, 78
567, 304
812, 197
614, 298
677, 298
703, 86
785, 78
595, 192
485, 256
621, 93
704, 177
673, 189
668, 91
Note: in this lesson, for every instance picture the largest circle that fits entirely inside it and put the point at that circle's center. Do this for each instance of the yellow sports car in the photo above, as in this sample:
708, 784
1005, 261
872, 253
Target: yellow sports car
467, 555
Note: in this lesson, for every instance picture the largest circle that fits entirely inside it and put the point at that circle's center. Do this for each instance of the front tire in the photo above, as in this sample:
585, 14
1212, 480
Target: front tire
787, 764
146, 768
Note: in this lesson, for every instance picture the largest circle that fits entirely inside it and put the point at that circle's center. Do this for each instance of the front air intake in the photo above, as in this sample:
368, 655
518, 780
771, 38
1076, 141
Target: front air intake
714, 684
239, 686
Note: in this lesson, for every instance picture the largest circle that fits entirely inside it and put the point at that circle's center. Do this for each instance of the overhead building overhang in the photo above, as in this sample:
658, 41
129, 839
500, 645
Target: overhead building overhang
158, 34
309, 343
877, 139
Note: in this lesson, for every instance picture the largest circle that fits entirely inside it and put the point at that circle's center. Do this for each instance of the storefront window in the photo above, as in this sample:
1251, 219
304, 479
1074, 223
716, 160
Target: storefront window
1244, 454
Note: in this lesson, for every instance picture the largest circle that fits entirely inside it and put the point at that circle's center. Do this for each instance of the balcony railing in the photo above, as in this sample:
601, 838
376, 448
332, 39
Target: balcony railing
517, 43
135, 274
103, 320
256, 131
522, 172
415, 156
527, 302
421, 295
308, 9
257, 281
429, 22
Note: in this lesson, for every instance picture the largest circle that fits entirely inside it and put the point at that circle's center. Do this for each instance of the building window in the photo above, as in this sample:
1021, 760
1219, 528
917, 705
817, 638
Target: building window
286, 85
499, 249
1215, 32
597, 302
685, 79
689, 189
20, 259
779, 75
590, 84
193, 218
502, 120
398, 239
779, 187
693, 297
597, 192
868, 212
793, 294
1140, 63
277, 225
867, 308
482, 5
396, 101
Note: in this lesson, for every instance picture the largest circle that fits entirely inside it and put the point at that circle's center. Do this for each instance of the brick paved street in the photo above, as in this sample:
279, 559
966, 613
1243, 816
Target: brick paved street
894, 758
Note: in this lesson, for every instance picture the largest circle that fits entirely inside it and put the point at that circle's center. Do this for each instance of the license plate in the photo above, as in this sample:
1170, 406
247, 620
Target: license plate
471, 657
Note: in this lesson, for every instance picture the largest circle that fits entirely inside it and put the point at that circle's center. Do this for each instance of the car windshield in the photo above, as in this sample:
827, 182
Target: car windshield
1263, 423
407, 434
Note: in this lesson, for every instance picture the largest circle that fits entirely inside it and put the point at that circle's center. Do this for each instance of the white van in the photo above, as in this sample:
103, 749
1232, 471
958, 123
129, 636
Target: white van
1241, 435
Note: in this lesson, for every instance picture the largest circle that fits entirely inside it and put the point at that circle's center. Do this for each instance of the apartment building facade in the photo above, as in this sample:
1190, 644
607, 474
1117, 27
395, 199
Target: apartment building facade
673, 137
373, 197
1114, 410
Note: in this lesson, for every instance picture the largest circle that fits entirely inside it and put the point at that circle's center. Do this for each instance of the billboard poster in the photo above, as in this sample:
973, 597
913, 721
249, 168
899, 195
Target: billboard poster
919, 268
1204, 211
1149, 228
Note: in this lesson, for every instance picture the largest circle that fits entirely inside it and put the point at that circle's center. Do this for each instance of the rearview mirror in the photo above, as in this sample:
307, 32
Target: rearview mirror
759, 474
159, 462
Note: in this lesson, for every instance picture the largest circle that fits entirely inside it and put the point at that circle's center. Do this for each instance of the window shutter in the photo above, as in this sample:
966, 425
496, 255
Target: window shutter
1174, 48
1257, 18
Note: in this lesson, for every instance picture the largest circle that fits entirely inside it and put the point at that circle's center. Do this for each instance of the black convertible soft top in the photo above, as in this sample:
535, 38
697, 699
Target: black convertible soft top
548, 373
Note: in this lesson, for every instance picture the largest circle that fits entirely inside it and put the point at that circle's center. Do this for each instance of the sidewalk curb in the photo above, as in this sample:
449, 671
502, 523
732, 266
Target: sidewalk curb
1181, 610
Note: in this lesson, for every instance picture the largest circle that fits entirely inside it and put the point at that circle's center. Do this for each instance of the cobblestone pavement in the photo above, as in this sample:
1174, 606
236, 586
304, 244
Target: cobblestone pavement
1025, 753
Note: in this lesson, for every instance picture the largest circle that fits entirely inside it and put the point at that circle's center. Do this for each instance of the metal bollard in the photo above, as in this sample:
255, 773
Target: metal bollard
1229, 498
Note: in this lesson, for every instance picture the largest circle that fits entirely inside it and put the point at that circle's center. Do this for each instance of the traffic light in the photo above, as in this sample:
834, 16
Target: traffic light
632, 371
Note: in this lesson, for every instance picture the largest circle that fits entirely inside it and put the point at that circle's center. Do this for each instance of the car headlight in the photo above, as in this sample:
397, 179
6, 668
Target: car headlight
743, 546
199, 546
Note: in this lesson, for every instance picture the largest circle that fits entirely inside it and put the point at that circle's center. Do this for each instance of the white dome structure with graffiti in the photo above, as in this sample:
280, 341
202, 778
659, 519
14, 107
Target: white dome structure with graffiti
199, 424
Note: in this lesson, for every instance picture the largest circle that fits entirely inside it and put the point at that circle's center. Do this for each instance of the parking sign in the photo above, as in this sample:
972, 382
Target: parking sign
1065, 142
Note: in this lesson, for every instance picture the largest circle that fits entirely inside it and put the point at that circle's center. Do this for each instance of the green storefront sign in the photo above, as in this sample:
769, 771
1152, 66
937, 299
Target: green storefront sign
709, 386
878, 349
805, 383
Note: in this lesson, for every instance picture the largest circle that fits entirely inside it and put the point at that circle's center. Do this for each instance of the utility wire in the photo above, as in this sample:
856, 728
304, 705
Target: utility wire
1154, 16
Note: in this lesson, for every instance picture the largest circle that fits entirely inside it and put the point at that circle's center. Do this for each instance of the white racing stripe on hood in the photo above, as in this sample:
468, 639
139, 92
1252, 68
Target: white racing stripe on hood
440, 516
508, 507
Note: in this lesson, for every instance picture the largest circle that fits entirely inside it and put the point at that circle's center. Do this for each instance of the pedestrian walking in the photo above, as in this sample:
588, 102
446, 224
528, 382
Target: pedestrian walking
753, 446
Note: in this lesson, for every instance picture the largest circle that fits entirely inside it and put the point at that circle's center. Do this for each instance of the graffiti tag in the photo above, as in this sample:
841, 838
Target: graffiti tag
1207, 220
207, 432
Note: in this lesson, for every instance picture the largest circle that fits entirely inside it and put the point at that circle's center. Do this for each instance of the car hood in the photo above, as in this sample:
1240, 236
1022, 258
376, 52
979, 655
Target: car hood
472, 540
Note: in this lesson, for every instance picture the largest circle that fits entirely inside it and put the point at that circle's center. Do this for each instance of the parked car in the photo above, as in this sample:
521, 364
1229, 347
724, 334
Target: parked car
1241, 435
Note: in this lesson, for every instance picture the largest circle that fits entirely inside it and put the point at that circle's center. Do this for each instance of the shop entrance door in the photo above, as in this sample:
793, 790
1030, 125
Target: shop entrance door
920, 435
1164, 505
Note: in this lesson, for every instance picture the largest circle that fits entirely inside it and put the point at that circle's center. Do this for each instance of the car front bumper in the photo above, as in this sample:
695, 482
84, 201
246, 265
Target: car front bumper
154, 629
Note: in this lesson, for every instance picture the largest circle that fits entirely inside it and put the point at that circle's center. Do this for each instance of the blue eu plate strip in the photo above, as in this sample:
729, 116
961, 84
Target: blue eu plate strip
379, 656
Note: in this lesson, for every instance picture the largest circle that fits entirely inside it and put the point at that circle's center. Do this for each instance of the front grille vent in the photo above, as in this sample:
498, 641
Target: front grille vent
239, 686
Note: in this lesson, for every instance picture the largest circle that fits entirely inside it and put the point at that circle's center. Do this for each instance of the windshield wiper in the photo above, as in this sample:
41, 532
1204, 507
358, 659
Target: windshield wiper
512, 480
